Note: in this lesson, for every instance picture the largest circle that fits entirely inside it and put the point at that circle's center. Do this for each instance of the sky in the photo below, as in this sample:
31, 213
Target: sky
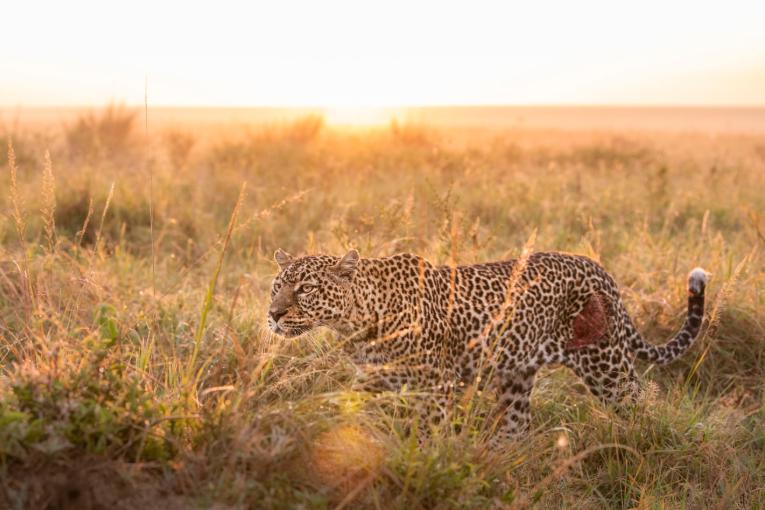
387, 53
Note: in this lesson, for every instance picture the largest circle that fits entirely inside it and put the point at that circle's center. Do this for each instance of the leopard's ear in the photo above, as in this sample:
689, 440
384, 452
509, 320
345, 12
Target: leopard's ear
346, 266
282, 258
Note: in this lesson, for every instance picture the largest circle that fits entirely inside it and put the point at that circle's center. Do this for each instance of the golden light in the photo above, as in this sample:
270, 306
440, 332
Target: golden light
360, 116
346, 456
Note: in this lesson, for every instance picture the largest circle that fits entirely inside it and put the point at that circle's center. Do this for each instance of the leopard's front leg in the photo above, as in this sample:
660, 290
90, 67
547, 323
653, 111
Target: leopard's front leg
513, 412
430, 385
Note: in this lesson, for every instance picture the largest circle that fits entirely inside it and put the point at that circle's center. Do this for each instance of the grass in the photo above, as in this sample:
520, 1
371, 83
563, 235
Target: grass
113, 392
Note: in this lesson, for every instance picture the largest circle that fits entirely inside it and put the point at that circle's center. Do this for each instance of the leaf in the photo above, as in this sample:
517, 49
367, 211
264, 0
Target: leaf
53, 444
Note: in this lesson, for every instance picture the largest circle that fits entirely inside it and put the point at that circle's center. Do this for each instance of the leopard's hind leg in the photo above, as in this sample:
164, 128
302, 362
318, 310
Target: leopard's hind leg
597, 350
608, 372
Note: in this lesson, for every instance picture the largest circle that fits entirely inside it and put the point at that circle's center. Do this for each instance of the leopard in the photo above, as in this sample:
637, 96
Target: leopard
440, 329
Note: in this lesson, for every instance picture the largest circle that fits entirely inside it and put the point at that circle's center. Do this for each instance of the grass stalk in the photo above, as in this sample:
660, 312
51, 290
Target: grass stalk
151, 188
19, 221
210, 294
48, 209
103, 217
84, 229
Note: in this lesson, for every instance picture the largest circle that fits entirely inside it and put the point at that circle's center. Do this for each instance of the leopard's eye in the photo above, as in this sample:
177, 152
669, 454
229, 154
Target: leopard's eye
306, 288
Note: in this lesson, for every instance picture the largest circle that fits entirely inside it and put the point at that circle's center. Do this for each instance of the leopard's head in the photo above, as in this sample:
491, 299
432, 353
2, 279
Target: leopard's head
310, 291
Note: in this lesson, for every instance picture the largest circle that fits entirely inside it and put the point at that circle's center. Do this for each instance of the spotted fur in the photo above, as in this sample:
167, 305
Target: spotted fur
441, 328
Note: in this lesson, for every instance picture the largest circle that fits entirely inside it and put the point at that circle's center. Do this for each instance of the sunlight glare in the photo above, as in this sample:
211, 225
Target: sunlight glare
360, 116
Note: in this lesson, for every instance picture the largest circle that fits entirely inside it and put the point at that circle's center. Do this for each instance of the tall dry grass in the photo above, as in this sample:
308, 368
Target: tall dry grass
113, 394
48, 198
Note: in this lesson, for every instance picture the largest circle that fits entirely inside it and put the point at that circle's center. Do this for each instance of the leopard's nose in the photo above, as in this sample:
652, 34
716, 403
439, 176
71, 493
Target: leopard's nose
277, 314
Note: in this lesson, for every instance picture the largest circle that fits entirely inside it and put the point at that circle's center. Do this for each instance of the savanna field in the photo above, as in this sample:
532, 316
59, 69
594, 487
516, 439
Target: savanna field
137, 368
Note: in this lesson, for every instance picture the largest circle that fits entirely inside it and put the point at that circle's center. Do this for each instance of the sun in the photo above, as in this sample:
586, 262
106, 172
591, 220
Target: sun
360, 115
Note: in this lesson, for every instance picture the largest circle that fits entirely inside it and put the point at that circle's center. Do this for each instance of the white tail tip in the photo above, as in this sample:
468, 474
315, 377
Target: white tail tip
697, 280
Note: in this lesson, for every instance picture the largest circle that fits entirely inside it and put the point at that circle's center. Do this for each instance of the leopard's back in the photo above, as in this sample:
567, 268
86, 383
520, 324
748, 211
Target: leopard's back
520, 312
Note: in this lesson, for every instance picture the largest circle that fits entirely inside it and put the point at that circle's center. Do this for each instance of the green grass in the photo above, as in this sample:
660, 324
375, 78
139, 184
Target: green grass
170, 393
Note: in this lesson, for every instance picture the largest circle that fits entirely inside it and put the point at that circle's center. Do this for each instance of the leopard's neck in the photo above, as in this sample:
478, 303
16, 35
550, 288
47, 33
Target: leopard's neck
387, 298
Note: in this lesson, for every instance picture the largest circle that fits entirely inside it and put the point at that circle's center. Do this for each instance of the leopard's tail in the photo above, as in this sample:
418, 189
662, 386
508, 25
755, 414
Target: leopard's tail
697, 282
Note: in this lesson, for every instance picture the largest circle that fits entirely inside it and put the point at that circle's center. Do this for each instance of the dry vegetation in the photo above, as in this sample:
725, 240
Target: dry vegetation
127, 381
